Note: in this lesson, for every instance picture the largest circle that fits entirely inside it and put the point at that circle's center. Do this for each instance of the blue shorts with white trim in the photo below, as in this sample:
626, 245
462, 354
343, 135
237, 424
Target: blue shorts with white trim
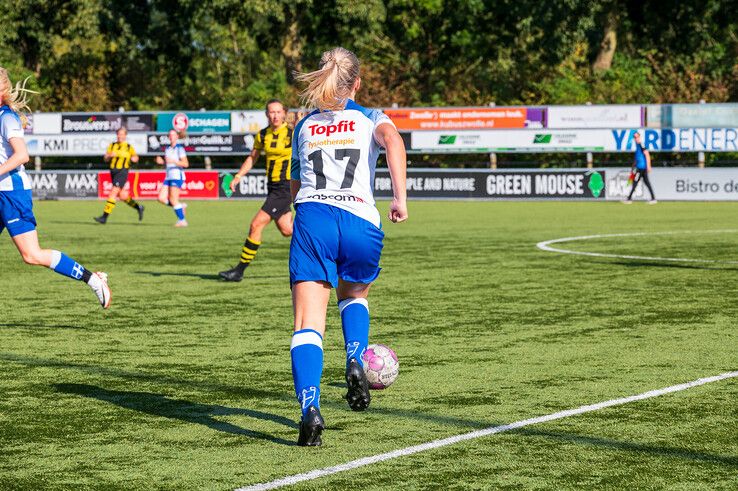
175, 183
330, 243
16, 212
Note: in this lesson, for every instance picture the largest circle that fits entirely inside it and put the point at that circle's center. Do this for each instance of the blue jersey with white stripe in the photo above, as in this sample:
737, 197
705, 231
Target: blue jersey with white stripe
10, 127
334, 154
174, 153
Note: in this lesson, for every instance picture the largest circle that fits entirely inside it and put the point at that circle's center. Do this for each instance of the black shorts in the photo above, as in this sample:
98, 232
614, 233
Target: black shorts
279, 199
119, 177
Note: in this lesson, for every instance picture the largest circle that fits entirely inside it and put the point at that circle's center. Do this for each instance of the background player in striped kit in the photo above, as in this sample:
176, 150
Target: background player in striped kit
337, 239
276, 142
120, 154
16, 205
175, 160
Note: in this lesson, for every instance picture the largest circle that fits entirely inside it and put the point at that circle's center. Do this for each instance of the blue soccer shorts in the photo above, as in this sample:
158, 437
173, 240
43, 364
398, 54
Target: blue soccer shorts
16, 212
330, 243
175, 183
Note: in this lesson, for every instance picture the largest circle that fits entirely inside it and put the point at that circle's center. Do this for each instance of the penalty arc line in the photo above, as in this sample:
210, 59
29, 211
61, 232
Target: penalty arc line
354, 464
546, 246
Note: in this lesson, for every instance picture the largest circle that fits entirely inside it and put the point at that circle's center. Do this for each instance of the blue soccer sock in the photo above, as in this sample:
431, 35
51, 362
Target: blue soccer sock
306, 352
179, 211
66, 266
355, 323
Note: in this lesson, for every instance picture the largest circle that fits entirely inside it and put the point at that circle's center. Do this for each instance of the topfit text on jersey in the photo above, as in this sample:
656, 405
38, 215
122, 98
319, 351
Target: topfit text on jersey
328, 130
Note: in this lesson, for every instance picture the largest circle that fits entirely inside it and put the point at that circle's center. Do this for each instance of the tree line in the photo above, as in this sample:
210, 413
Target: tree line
86, 55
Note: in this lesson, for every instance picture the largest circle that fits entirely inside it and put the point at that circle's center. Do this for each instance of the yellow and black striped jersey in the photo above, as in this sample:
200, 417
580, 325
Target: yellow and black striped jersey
122, 153
277, 146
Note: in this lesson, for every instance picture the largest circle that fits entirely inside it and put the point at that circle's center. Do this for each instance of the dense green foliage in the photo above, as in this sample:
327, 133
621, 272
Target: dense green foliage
185, 382
156, 54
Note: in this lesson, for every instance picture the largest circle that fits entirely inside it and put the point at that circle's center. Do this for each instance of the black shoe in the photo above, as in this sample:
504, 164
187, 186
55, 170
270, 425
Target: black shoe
140, 212
358, 387
103, 219
311, 426
233, 274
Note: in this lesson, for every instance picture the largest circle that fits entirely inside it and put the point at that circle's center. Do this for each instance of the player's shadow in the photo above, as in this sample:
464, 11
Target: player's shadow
641, 448
673, 265
39, 325
202, 276
190, 412
92, 223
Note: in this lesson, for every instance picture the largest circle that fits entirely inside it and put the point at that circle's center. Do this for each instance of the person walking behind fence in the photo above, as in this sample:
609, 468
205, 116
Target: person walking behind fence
641, 169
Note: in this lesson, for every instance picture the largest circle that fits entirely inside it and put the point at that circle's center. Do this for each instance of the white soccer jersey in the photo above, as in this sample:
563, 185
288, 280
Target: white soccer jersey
177, 153
334, 155
10, 127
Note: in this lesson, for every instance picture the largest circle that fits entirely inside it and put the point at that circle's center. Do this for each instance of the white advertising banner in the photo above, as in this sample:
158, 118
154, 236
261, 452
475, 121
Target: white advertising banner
46, 123
594, 117
79, 144
692, 115
248, 121
512, 141
612, 140
677, 184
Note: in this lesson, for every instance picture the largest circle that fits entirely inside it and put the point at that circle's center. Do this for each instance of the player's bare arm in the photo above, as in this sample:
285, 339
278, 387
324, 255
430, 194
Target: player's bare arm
246, 167
388, 137
19, 157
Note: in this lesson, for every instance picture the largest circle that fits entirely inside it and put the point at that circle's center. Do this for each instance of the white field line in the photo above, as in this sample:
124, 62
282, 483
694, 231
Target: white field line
327, 471
546, 246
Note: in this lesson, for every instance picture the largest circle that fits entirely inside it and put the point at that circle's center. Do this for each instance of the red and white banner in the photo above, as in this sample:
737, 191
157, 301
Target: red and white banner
200, 184
465, 118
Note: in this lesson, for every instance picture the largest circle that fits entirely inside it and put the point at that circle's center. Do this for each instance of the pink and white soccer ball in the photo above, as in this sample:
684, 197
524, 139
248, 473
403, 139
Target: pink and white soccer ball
380, 365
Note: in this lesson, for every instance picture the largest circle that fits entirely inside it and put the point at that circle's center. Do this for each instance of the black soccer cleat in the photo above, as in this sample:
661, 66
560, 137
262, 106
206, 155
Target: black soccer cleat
311, 426
140, 212
233, 274
358, 396
103, 220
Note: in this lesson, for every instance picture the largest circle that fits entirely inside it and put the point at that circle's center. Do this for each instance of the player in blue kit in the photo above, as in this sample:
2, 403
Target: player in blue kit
337, 233
175, 161
16, 205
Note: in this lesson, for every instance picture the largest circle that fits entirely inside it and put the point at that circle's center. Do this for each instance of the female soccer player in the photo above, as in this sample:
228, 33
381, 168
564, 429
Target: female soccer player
276, 142
120, 154
337, 237
175, 159
16, 206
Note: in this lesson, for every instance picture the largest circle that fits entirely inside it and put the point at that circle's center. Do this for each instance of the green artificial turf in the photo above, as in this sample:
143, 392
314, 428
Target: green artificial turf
185, 382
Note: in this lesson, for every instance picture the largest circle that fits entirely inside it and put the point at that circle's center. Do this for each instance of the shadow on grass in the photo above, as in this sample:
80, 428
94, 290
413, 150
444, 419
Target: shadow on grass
203, 414
190, 412
207, 276
202, 276
108, 224
39, 325
634, 263
641, 448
